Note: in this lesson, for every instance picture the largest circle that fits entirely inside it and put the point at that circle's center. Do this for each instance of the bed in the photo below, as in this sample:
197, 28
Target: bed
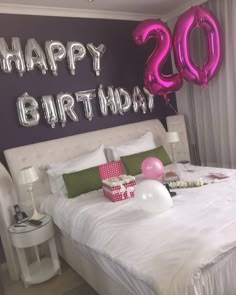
193, 251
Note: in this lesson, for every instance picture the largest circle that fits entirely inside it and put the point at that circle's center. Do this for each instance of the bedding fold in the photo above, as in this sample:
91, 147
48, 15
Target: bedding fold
182, 251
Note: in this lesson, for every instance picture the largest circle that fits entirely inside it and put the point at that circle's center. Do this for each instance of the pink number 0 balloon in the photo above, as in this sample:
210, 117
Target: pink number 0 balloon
193, 18
154, 80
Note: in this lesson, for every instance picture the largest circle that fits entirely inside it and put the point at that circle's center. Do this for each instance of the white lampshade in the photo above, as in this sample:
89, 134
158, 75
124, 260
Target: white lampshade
28, 175
172, 137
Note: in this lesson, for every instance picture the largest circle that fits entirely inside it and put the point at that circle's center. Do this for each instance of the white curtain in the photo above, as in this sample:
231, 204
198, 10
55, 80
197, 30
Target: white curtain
211, 112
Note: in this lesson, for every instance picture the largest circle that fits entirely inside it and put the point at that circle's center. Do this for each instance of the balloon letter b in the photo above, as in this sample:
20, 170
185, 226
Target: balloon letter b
27, 109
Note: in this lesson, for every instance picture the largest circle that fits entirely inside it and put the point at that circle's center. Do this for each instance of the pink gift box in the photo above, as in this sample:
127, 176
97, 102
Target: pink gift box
120, 192
117, 193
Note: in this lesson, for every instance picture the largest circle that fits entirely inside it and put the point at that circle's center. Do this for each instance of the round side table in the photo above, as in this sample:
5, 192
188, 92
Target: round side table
32, 236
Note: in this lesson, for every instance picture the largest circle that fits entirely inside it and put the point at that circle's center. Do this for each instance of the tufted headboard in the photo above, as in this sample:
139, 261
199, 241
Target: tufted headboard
43, 153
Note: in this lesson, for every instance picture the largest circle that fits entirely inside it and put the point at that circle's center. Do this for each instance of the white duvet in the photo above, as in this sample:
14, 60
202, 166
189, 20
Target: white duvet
189, 249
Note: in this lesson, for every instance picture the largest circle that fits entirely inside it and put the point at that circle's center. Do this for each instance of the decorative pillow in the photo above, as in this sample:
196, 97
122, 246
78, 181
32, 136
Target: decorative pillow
99, 151
133, 163
82, 182
140, 144
94, 158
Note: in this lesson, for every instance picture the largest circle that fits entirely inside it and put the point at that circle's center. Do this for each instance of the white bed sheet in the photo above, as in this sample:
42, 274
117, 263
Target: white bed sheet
189, 249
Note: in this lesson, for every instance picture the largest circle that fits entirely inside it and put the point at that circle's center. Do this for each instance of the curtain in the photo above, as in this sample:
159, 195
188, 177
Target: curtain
211, 112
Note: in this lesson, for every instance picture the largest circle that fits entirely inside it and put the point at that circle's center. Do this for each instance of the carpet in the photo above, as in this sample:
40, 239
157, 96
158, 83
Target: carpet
83, 289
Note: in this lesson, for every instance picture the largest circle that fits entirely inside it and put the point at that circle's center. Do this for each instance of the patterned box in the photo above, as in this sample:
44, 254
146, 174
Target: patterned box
116, 185
111, 169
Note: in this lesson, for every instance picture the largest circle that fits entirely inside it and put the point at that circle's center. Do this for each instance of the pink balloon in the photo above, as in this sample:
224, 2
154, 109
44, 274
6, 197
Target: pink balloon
197, 17
154, 80
152, 168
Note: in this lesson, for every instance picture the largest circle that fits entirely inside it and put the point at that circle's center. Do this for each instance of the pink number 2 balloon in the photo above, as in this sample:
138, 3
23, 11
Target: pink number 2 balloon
197, 17
154, 80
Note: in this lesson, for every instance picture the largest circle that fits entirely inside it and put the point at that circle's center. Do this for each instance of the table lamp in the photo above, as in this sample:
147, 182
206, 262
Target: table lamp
172, 139
27, 177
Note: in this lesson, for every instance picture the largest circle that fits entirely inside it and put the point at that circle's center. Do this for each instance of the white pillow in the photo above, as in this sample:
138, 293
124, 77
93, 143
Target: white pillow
85, 161
140, 144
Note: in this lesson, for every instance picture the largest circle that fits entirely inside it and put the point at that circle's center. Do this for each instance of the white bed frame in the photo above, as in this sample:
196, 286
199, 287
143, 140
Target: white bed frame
40, 154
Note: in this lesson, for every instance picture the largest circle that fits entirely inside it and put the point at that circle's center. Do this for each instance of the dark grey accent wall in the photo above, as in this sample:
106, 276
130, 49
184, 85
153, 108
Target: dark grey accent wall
122, 65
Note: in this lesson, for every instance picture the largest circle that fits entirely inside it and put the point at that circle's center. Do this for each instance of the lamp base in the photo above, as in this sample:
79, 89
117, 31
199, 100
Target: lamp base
37, 216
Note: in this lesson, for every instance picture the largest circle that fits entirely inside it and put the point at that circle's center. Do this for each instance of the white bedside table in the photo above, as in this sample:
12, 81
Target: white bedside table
32, 236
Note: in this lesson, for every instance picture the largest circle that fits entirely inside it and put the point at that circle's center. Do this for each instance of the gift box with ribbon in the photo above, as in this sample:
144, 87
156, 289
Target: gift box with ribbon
116, 185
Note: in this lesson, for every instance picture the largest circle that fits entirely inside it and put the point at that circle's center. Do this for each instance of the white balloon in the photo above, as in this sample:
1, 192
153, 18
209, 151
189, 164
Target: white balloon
153, 196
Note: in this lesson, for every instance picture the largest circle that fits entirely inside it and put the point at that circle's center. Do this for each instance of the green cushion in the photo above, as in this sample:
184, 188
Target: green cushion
133, 162
81, 182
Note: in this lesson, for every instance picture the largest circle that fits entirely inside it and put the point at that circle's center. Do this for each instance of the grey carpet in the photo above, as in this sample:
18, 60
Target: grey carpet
83, 289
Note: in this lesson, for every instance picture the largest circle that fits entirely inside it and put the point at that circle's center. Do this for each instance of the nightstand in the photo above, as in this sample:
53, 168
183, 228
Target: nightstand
32, 236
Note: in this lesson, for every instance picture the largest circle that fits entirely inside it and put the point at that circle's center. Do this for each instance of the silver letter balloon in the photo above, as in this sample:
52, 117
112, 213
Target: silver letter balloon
75, 52
150, 98
107, 101
139, 100
113, 101
35, 57
96, 53
49, 109
124, 104
86, 97
15, 55
66, 103
55, 51
27, 109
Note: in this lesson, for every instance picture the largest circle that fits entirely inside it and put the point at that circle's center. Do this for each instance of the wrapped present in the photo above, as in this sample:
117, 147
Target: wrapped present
116, 185
119, 188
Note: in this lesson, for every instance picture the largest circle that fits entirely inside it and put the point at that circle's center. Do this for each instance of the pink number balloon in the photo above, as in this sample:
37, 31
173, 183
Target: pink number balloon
154, 80
152, 168
197, 17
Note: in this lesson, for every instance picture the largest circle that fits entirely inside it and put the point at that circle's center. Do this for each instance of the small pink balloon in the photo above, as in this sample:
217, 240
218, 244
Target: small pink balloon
152, 168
